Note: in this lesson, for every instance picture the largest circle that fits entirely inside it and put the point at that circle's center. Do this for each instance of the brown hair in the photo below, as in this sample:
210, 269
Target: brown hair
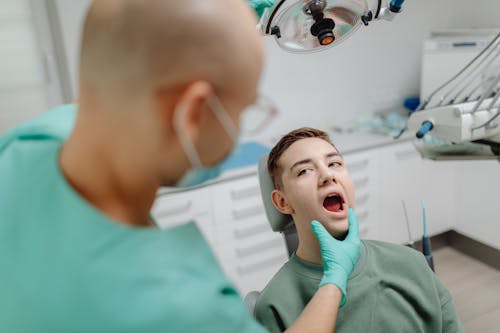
273, 167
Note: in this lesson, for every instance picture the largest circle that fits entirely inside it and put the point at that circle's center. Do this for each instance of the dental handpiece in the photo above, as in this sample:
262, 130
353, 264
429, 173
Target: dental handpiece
411, 243
426, 242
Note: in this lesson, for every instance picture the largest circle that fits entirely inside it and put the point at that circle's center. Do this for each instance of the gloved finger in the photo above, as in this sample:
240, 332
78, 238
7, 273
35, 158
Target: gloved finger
322, 235
353, 225
260, 5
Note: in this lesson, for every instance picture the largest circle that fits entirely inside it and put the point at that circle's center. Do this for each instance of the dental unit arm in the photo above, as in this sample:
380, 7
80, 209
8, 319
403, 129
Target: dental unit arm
464, 111
303, 26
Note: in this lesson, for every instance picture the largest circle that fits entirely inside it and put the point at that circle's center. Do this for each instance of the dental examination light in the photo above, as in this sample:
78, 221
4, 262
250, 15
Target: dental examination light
466, 108
302, 26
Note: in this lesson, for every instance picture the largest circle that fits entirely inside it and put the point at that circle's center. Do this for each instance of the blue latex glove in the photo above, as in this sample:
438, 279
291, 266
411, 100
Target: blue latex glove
260, 5
339, 257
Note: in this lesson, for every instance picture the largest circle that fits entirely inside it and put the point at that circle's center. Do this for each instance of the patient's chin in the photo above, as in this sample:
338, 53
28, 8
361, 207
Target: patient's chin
339, 235
339, 230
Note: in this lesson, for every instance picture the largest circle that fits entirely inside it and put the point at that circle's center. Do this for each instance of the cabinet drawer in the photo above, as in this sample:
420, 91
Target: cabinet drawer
238, 201
251, 252
250, 210
244, 233
272, 260
238, 190
178, 208
250, 267
250, 241
244, 190
170, 208
364, 170
194, 202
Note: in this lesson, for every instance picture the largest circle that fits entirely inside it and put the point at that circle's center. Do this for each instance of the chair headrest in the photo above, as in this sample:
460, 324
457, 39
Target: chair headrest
278, 221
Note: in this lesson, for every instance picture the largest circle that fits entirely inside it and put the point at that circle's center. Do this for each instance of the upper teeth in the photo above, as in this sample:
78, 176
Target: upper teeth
333, 195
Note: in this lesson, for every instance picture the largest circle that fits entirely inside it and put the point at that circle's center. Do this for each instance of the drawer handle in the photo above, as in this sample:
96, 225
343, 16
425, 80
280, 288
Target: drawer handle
242, 233
270, 262
259, 247
245, 193
360, 183
353, 167
174, 210
247, 212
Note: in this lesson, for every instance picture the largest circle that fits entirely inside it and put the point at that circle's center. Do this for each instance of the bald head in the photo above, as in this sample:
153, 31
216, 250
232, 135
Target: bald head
129, 45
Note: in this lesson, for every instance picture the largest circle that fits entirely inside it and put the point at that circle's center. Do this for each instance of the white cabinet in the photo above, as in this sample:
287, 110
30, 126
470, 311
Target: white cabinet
439, 188
231, 216
385, 177
405, 176
249, 251
477, 210
364, 169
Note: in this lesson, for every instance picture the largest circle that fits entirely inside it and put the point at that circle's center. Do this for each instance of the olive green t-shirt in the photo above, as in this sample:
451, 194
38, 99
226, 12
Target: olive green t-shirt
390, 290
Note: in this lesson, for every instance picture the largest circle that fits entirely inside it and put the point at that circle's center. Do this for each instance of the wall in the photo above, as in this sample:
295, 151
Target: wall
29, 82
375, 69
71, 15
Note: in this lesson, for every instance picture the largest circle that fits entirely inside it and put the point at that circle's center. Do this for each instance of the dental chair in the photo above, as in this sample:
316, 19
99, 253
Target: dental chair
279, 222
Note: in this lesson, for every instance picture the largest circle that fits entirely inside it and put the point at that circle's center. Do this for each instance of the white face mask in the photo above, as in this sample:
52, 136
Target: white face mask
198, 173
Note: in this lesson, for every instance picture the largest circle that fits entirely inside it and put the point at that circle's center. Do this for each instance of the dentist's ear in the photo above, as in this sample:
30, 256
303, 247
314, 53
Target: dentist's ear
280, 202
189, 110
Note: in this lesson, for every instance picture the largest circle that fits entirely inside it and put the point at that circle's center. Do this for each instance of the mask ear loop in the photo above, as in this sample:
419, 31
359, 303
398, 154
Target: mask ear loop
220, 112
185, 142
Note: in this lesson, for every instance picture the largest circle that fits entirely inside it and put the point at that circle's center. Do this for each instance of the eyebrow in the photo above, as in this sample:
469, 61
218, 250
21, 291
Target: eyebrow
308, 160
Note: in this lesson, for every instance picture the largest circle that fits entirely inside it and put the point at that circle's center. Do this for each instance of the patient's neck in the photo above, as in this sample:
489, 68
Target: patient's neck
308, 249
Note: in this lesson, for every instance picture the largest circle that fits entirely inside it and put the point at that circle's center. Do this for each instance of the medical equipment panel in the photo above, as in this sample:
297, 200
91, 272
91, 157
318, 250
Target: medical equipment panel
459, 118
445, 53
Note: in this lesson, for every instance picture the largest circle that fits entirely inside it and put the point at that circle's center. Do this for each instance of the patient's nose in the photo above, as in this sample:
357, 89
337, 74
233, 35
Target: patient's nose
326, 176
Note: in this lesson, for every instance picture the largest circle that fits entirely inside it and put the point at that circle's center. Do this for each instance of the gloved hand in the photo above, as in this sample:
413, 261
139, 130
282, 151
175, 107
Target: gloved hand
339, 257
260, 5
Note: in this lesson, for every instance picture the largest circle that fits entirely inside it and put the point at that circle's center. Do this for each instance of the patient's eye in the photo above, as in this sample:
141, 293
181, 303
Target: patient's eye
335, 164
303, 172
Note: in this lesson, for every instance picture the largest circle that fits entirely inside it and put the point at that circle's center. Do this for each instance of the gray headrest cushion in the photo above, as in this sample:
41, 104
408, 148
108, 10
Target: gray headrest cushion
277, 220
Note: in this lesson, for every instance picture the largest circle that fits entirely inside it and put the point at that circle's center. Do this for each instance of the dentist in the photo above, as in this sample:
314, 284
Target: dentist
161, 88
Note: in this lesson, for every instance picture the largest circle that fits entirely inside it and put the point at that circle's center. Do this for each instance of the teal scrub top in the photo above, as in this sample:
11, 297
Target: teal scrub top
66, 267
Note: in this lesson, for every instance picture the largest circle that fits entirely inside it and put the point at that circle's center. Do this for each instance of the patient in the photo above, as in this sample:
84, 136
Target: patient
391, 288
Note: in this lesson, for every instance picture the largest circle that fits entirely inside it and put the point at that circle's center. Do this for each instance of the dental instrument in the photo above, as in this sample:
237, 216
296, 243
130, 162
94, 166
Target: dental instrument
426, 242
411, 243
303, 26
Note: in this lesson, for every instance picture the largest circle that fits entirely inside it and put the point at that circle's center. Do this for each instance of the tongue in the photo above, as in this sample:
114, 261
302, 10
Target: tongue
333, 204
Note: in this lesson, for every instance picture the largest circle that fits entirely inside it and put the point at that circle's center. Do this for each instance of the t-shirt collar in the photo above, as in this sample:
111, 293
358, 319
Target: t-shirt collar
316, 271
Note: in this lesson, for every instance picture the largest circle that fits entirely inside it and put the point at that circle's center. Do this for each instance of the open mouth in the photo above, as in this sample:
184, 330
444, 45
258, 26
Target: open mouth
334, 203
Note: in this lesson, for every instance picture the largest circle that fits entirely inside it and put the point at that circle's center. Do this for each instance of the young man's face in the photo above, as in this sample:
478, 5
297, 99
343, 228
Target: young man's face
315, 186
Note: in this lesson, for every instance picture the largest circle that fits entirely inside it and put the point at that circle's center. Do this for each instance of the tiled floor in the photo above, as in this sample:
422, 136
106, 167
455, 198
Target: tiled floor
475, 288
